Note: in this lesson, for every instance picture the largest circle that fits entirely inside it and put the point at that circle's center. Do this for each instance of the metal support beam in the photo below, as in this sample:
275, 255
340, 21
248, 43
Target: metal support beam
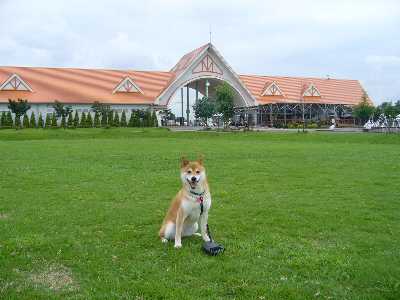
187, 105
182, 103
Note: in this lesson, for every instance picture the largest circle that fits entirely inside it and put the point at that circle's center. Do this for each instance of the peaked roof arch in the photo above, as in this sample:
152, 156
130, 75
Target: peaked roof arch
311, 91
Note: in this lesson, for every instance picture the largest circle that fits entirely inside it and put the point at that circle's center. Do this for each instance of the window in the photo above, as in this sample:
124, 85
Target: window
272, 89
127, 85
15, 83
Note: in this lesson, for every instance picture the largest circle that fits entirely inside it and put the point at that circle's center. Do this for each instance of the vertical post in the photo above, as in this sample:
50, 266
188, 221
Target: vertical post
302, 108
270, 115
182, 105
187, 105
207, 85
284, 114
197, 97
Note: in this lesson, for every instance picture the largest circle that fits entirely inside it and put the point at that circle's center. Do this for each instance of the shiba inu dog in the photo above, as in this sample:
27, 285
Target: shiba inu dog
189, 209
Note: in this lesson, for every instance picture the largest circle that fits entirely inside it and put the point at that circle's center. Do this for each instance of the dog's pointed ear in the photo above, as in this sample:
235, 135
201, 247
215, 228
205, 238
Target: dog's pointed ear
184, 162
201, 159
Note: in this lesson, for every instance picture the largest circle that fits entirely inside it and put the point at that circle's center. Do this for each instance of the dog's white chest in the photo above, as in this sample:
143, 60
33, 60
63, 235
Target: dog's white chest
192, 206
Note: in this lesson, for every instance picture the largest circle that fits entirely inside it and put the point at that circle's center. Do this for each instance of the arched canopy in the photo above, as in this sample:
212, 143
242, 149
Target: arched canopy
201, 65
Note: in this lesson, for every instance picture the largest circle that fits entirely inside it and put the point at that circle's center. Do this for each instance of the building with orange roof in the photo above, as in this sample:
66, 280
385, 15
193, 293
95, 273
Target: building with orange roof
262, 100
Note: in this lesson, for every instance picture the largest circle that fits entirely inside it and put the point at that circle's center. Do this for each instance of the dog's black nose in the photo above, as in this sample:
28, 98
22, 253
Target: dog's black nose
193, 179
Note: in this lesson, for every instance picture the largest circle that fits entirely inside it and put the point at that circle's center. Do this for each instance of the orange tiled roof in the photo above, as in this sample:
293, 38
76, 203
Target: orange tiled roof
333, 91
71, 85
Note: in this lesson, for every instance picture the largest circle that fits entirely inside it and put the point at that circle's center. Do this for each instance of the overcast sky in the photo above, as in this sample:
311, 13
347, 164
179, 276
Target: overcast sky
345, 39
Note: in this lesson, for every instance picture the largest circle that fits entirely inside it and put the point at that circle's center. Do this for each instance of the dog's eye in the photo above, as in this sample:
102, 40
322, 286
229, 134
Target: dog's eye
197, 172
189, 172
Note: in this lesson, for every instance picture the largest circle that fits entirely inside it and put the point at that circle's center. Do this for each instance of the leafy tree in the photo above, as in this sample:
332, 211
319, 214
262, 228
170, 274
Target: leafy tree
224, 102
96, 120
123, 119
116, 120
61, 110
89, 120
48, 120
70, 121
363, 110
32, 121
204, 109
147, 120
40, 121
9, 120
103, 110
3, 120
19, 108
54, 121
166, 115
130, 123
76, 119
82, 124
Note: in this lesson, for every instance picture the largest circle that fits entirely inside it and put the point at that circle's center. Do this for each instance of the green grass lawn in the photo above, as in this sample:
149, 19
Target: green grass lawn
302, 216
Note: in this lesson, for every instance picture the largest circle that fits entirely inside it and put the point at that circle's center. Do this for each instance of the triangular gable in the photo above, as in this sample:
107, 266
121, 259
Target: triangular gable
15, 83
272, 89
208, 65
127, 85
312, 91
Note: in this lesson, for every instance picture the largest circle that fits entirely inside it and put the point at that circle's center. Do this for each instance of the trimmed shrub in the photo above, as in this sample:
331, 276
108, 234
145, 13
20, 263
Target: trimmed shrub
76, 119
32, 121
89, 120
116, 120
82, 124
96, 120
63, 122
48, 120
123, 119
40, 121
54, 121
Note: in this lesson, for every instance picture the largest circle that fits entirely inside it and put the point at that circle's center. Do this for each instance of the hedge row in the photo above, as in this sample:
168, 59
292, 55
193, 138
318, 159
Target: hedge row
111, 119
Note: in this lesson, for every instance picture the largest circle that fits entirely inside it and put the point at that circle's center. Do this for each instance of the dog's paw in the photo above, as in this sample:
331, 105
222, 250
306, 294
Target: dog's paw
164, 240
177, 246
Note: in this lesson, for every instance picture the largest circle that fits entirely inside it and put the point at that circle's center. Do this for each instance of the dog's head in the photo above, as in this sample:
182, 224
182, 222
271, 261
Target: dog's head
193, 173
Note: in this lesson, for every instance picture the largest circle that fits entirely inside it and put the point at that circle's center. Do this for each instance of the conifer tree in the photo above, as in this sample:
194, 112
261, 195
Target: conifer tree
76, 119
3, 120
63, 122
82, 124
89, 120
54, 121
154, 121
96, 120
32, 121
131, 119
110, 118
104, 119
123, 119
9, 120
116, 120
70, 121
136, 119
25, 121
40, 121
48, 120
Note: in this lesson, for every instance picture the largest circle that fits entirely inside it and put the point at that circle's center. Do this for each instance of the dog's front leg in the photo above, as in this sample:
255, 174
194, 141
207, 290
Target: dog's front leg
180, 218
203, 226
